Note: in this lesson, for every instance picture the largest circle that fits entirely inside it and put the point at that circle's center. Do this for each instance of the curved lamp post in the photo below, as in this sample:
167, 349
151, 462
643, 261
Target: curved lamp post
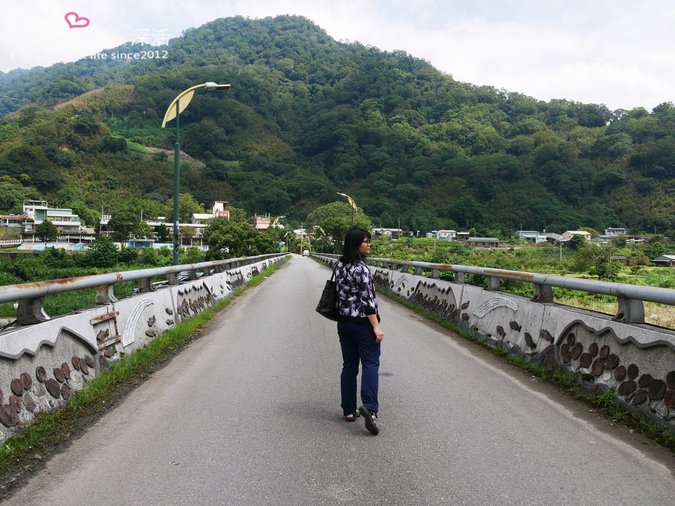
175, 108
351, 203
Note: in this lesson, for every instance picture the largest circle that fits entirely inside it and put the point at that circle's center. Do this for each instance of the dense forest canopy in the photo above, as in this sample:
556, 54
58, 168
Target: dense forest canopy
308, 116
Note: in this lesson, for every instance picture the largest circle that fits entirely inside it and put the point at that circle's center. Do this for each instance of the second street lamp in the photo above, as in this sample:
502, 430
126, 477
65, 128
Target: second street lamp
351, 203
177, 106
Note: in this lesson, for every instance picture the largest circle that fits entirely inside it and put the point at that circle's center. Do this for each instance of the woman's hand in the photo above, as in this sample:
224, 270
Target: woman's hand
379, 333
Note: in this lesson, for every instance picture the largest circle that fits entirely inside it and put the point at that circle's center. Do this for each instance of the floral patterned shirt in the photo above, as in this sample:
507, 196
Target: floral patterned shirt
355, 291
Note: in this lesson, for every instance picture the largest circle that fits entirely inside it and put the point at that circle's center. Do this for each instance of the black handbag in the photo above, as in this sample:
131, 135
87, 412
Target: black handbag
327, 305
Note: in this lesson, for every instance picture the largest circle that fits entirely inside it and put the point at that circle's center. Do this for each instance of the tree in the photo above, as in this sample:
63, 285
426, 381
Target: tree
336, 218
163, 234
124, 220
12, 194
188, 207
596, 260
655, 249
188, 233
142, 229
592, 231
102, 252
228, 239
577, 242
238, 215
47, 231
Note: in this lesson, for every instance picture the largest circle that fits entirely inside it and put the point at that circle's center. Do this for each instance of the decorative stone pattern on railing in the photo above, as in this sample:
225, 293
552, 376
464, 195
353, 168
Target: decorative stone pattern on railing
42, 365
604, 358
635, 360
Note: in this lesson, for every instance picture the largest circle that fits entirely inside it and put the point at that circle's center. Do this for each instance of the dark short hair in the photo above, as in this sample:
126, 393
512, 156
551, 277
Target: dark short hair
353, 239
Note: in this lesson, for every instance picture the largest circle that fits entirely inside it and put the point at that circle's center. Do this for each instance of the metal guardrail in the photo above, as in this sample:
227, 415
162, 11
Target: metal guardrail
30, 296
630, 298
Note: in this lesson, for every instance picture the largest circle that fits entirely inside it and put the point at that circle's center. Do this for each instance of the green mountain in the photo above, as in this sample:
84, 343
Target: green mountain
308, 116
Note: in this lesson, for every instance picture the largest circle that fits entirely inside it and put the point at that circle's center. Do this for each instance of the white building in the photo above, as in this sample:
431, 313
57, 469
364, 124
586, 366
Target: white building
530, 235
613, 232
446, 235
389, 233
220, 209
527, 235
39, 211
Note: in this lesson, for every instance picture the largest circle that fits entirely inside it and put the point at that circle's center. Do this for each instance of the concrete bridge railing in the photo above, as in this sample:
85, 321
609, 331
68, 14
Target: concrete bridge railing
43, 360
620, 352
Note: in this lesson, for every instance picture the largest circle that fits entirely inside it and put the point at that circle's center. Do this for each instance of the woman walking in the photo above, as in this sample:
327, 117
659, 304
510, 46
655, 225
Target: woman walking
359, 329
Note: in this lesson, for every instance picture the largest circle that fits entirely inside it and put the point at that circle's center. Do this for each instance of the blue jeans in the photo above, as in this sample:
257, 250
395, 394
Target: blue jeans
357, 341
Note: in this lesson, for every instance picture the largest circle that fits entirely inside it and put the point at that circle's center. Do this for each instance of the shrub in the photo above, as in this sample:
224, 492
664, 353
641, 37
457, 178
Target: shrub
150, 257
102, 252
29, 268
58, 258
128, 255
192, 256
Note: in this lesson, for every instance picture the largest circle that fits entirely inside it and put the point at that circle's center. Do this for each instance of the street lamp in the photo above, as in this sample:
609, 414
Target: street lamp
351, 203
175, 108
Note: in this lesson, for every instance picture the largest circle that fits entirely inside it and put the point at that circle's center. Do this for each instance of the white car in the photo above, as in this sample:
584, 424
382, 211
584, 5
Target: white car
305, 253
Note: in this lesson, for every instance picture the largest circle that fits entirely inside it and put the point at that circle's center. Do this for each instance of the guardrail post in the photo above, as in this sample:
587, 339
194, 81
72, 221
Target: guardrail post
192, 274
145, 285
105, 295
418, 271
434, 273
542, 293
630, 311
458, 277
173, 278
31, 311
492, 283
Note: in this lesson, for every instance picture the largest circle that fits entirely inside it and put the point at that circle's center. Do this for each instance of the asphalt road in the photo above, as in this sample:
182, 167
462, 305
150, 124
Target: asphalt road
250, 414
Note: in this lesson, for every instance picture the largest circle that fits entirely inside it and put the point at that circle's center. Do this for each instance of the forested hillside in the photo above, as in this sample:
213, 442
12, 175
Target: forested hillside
308, 116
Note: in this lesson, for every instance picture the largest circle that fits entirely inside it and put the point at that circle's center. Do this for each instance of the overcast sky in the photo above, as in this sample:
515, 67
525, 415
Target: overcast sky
620, 53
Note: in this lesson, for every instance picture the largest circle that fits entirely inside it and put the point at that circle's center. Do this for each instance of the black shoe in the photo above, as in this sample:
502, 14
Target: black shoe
353, 416
370, 419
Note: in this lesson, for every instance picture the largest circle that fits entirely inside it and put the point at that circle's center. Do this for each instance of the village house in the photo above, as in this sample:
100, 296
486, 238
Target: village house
389, 233
14, 221
530, 235
616, 232
483, 242
665, 260
446, 235
567, 236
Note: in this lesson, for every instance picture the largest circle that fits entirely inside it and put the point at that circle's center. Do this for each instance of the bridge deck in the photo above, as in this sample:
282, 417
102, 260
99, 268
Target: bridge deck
250, 414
